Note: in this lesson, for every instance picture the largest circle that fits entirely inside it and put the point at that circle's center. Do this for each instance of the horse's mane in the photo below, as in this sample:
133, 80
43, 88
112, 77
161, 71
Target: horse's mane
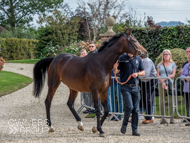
110, 42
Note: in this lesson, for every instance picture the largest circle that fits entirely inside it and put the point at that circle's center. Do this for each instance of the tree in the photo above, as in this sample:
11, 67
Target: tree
98, 10
18, 13
58, 30
150, 22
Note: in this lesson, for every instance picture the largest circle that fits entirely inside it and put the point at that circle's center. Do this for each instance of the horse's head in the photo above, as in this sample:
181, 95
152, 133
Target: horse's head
133, 46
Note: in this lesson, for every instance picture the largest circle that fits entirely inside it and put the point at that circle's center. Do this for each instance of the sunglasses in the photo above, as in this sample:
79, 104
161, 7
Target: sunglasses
166, 54
91, 46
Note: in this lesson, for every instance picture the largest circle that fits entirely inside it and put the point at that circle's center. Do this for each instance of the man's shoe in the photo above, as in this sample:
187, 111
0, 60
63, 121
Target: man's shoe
92, 111
119, 118
123, 129
171, 121
188, 124
147, 121
113, 118
86, 111
135, 133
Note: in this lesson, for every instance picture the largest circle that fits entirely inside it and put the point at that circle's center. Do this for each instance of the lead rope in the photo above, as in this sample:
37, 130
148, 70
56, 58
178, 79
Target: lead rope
117, 79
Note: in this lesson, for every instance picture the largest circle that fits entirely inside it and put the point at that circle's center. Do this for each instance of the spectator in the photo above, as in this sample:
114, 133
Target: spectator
187, 52
130, 65
116, 99
148, 88
92, 48
86, 96
182, 83
166, 67
83, 53
186, 87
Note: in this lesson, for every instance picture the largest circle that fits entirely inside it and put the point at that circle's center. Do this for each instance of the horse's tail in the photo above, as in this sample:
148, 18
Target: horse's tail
39, 74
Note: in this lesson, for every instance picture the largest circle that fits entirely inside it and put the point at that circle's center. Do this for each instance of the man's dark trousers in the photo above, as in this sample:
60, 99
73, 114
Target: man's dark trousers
131, 97
148, 96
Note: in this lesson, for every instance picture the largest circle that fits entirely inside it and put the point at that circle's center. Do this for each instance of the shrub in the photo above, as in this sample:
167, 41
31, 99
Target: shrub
18, 32
49, 50
17, 49
2, 62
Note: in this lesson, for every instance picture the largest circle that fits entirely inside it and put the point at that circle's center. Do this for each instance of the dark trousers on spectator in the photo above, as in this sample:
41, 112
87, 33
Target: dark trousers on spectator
147, 96
187, 104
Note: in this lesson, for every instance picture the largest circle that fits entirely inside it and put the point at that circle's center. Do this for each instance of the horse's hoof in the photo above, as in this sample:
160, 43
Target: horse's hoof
102, 135
51, 130
81, 128
94, 130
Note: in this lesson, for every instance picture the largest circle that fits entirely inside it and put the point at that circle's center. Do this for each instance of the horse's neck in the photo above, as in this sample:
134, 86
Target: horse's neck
109, 56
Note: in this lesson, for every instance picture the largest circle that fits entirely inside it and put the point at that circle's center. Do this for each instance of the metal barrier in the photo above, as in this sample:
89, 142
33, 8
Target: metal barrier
182, 99
154, 100
161, 109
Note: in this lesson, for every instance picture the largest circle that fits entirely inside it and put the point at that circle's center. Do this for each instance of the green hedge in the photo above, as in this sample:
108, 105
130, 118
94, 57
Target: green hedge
17, 49
156, 40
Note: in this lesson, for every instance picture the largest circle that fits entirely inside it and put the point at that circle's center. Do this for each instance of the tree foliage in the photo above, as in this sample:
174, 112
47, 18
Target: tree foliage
19, 13
97, 11
59, 30
18, 32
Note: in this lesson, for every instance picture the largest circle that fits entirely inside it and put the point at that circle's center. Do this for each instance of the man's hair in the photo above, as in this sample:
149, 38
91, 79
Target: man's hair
91, 43
83, 50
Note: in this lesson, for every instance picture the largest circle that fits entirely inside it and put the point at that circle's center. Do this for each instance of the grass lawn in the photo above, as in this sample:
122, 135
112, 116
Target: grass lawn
10, 82
28, 61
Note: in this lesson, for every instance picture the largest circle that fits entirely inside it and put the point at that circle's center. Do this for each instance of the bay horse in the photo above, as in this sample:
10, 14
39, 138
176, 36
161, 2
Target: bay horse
91, 73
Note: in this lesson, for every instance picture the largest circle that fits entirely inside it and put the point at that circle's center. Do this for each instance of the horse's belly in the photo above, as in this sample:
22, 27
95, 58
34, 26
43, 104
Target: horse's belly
77, 86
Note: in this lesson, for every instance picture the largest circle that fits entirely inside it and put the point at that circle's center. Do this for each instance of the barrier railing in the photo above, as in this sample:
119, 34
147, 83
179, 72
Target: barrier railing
154, 98
182, 99
160, 106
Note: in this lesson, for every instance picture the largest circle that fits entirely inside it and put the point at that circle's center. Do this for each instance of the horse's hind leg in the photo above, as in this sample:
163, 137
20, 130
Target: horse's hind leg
53, 83
103, 98
95, 99
70, 104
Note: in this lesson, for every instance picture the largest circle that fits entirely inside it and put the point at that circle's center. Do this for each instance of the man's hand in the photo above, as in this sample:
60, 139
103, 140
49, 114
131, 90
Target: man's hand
116, 65
134, 75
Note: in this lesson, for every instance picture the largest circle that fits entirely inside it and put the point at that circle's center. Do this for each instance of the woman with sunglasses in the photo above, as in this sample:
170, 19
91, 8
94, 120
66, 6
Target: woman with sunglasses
167, 68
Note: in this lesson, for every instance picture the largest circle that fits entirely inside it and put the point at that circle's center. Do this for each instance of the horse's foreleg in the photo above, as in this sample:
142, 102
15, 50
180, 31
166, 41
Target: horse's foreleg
95, 99
70, 104
103, 98
51, 91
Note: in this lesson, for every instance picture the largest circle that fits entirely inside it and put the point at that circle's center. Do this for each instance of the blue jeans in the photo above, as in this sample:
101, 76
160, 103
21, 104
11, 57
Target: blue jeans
116, 99
131, 97
109, 100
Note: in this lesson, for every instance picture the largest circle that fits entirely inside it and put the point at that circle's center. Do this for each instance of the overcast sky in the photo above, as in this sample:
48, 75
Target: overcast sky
160, 10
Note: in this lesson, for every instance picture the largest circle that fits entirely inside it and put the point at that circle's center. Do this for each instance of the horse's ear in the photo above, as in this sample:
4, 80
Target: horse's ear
129, 31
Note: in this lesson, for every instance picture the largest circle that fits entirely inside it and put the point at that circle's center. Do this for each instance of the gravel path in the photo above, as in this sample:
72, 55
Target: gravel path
23, 120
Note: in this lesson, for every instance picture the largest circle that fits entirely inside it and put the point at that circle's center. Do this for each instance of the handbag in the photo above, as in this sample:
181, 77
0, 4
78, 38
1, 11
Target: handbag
169, 83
